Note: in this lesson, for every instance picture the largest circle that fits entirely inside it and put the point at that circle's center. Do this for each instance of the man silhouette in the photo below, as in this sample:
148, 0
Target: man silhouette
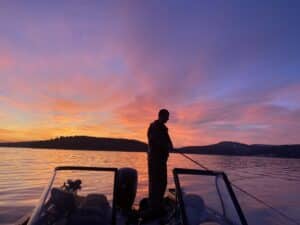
159, 145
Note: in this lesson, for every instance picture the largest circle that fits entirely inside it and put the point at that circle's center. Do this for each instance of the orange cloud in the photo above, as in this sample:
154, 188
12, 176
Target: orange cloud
7, 135
65, 105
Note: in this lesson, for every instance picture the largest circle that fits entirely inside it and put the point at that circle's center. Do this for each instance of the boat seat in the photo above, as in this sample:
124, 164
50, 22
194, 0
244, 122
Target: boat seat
95, 200
64, 201
95, 209
195, 209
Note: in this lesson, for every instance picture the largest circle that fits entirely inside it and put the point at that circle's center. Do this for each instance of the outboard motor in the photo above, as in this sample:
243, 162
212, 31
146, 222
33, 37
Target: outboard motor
126, 188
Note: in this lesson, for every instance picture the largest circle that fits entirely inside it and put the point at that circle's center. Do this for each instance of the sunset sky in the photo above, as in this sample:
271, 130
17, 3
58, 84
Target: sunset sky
226, 70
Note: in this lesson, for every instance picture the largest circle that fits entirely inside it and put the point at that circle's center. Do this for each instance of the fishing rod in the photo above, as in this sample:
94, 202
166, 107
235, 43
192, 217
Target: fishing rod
243, 191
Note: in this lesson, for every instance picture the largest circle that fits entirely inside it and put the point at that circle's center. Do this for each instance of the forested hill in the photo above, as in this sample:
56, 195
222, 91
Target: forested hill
83, 142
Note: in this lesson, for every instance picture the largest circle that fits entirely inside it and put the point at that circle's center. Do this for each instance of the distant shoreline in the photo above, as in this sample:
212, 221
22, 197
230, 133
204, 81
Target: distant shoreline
72, 149
139, 151
87, 143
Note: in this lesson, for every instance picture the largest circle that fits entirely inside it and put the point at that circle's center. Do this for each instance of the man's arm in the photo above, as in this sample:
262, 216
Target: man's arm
171, 147
149, 133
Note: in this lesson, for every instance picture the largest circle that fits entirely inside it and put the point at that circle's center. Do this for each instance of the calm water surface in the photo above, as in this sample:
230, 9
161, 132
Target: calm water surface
25, 172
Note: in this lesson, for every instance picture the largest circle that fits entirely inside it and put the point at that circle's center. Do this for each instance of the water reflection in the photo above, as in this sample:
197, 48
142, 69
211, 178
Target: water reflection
25, 172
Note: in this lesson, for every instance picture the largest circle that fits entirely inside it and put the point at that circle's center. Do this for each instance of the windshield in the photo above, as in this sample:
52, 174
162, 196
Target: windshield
74, 195
206, 197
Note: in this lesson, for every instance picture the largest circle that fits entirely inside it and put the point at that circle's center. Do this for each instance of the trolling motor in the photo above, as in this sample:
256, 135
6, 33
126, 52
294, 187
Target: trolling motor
72, 186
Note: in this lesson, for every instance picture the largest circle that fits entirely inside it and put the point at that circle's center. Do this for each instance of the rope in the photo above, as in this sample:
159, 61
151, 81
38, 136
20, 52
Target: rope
245, 192
194, 161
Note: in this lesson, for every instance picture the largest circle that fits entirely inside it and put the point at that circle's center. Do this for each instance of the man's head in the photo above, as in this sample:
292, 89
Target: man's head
163, 115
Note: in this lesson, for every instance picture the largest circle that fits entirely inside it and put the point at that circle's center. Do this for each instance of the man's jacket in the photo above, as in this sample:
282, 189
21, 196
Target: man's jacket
159, 140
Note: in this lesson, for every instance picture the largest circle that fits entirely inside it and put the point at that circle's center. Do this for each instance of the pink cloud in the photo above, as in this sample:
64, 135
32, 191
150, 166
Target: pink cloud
209, 122
6, 62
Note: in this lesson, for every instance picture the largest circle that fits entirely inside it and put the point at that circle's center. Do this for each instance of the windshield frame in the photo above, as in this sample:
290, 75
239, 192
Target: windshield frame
179, 194
38, 209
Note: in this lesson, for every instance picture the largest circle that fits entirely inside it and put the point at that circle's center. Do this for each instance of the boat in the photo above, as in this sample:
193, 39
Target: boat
79, 195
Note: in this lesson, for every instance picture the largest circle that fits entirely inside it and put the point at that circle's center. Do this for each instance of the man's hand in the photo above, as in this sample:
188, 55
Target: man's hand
171, 148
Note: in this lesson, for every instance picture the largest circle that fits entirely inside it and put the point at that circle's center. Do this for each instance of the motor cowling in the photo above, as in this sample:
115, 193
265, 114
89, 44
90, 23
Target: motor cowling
126, 187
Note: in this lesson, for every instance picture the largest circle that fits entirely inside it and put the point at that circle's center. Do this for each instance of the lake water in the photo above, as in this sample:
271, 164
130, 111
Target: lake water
25, 172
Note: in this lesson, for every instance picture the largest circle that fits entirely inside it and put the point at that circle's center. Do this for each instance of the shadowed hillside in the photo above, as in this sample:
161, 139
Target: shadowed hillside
234, 148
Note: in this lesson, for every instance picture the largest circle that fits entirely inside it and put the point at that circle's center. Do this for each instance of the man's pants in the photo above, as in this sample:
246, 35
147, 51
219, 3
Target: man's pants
157, 172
